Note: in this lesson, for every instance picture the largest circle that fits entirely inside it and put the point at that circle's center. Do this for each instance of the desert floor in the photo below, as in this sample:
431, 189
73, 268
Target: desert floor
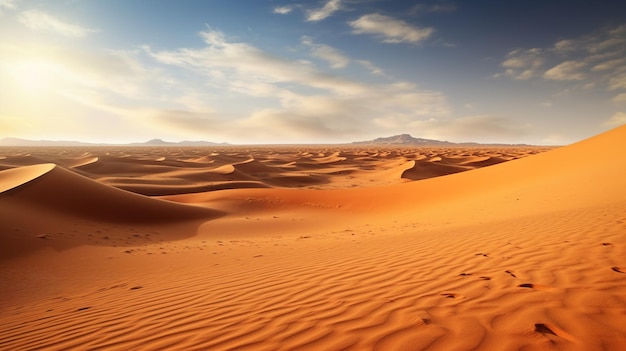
311, 247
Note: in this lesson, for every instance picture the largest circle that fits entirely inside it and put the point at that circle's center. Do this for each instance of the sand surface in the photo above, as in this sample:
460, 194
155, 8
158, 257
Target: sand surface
314, 248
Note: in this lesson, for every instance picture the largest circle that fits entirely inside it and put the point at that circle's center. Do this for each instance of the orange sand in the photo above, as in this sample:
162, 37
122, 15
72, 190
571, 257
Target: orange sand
319, 249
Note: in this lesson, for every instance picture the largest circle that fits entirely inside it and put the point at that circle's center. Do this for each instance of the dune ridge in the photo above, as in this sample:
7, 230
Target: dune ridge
44, 201
192, 169
524, 254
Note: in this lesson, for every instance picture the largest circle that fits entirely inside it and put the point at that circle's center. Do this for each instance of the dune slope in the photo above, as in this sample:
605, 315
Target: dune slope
44, 201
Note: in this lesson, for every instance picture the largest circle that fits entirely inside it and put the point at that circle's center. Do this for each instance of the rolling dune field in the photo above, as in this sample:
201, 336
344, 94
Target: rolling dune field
314, 248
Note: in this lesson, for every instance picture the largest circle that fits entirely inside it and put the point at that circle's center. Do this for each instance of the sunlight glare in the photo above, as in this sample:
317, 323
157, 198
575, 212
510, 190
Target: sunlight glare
35, 76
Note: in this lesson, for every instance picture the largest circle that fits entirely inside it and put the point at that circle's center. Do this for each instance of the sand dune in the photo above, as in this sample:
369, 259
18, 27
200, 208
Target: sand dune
146, 171
524, 254
40, 204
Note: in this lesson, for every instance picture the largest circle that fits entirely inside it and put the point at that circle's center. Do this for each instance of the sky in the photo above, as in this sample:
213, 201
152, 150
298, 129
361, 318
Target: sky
321, 71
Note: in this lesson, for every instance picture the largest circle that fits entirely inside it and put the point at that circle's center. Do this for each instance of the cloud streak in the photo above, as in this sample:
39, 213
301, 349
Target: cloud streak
304, 102
8, 4
568, 70
43, 22
389, 29
594, 60
282, 10
617, 119
523, 64
329, 54
330, 7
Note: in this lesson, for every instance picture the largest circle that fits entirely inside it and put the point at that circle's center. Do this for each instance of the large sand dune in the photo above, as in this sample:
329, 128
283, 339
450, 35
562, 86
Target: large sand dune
339, 251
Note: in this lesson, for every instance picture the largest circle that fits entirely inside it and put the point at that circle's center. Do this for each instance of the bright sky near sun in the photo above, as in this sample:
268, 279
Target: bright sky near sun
322, 71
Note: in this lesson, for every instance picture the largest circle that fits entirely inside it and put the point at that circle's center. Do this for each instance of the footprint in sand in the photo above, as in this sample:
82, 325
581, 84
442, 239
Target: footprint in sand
544, 329
535, 287
449, 295
607, 244
485, 278
511, 274
619, 270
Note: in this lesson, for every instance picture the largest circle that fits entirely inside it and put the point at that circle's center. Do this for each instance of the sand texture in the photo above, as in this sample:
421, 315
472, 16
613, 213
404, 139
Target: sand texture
314, 248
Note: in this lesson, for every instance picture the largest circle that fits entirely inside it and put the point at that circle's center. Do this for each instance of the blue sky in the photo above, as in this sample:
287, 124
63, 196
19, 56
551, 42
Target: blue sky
540, 72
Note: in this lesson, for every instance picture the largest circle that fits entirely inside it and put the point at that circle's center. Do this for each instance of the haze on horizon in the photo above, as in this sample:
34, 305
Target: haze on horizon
328, 71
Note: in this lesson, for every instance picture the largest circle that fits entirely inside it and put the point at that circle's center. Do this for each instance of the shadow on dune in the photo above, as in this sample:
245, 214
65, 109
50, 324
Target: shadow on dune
48, 206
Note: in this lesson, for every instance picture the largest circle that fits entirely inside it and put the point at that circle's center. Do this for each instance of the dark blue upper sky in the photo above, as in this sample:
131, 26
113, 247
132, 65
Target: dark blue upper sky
548, 72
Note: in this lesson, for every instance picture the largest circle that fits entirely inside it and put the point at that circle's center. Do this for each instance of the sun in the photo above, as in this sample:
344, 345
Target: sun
34, 76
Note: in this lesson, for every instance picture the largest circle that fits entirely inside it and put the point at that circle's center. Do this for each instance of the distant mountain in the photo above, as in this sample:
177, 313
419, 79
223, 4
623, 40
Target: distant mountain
161, 142
404, 139
153, 142
26, 142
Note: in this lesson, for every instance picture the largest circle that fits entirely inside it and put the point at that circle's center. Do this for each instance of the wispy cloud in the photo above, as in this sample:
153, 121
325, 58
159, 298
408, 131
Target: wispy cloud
617, 119
620, 98
593, 60
389, 29
618, 81
85, 88
329, 54
523, 64
244, 61
283, 10
330, 7
303, 102
568, 70
371, 67
430, 8
8, 4
44, 22
488, 128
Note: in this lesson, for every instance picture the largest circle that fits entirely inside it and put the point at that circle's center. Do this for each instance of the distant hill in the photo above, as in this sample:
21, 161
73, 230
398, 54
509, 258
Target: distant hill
153, 142
406, 139
26, 142
160, 142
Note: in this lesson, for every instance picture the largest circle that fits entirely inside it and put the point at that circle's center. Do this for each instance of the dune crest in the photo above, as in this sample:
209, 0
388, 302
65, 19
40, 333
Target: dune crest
44, 201
13, 178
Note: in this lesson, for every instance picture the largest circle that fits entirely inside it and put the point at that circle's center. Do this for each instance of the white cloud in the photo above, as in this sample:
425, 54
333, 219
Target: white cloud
8, 4
592, 61
391, 30
606, 44
568, 70
282, 10
386, 109
620, 98
331, 55
617, 81
300, 100
523, 64
330, 7
43, 22
618, 119
371, 67
241, 61
565, 45
419, 8
484, 128
101, 90
610, 65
